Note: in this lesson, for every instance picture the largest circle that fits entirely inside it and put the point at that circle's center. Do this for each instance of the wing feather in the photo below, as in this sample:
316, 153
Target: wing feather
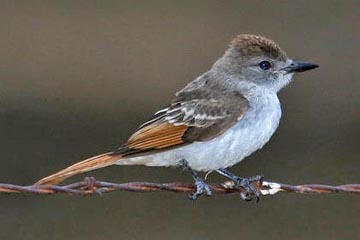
189, 118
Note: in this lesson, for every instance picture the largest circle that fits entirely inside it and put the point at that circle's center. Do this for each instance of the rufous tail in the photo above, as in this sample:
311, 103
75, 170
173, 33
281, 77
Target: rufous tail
89, 164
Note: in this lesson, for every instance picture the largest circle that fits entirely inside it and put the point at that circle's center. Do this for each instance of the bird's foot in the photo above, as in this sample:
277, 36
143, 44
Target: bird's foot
248, 184
201, 188
251, 190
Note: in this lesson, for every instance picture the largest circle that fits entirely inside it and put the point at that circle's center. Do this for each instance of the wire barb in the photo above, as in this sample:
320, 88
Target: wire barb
90, 186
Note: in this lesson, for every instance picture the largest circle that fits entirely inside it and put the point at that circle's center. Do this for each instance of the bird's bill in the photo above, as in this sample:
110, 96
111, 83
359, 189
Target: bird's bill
299, 66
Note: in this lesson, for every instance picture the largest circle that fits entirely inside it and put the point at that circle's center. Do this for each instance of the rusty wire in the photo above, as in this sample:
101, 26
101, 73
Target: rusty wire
90, 186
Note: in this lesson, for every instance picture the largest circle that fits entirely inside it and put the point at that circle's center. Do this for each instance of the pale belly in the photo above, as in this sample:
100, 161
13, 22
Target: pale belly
244, 138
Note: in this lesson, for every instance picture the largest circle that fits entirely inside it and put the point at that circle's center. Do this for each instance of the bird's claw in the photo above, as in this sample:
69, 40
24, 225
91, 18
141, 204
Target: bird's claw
251, 191
201, 188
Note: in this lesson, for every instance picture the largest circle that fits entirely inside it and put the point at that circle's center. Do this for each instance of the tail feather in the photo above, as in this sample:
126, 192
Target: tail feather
86, 165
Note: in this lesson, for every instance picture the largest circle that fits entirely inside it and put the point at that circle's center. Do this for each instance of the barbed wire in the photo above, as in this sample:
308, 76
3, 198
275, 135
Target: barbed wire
90, 186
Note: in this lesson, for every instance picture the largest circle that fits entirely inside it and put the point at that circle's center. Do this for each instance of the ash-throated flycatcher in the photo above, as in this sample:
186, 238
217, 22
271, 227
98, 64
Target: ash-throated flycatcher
217, 120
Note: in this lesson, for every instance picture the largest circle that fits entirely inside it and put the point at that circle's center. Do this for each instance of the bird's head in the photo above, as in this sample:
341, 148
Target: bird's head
255, 61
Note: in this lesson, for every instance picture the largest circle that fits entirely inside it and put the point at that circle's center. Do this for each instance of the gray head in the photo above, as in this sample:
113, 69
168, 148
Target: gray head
255, 61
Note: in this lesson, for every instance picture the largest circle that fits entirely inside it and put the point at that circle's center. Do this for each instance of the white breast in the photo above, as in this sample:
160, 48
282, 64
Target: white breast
248, 135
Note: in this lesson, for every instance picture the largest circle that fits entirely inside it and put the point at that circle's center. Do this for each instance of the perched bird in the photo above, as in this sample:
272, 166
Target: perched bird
215, 121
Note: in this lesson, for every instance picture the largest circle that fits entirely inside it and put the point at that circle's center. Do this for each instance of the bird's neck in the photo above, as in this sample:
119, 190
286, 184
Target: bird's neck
253, 92
258, 96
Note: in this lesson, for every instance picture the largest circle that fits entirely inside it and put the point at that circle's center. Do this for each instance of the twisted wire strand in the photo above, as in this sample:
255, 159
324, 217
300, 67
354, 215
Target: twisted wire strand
90, 186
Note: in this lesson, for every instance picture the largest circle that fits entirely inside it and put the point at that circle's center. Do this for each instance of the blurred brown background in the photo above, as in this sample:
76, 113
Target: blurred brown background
77, 77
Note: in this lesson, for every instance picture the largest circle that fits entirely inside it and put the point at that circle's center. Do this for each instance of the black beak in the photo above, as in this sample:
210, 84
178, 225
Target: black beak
299, 66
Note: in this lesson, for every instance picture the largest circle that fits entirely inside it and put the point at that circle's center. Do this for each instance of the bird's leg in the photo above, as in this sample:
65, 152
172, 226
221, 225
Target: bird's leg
201, 186
246, 183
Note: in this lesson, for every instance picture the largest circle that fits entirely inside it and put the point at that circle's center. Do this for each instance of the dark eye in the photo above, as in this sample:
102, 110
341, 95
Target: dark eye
265, 65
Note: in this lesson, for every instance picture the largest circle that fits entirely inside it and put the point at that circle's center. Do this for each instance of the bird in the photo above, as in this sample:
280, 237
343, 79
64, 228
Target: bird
214, 122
